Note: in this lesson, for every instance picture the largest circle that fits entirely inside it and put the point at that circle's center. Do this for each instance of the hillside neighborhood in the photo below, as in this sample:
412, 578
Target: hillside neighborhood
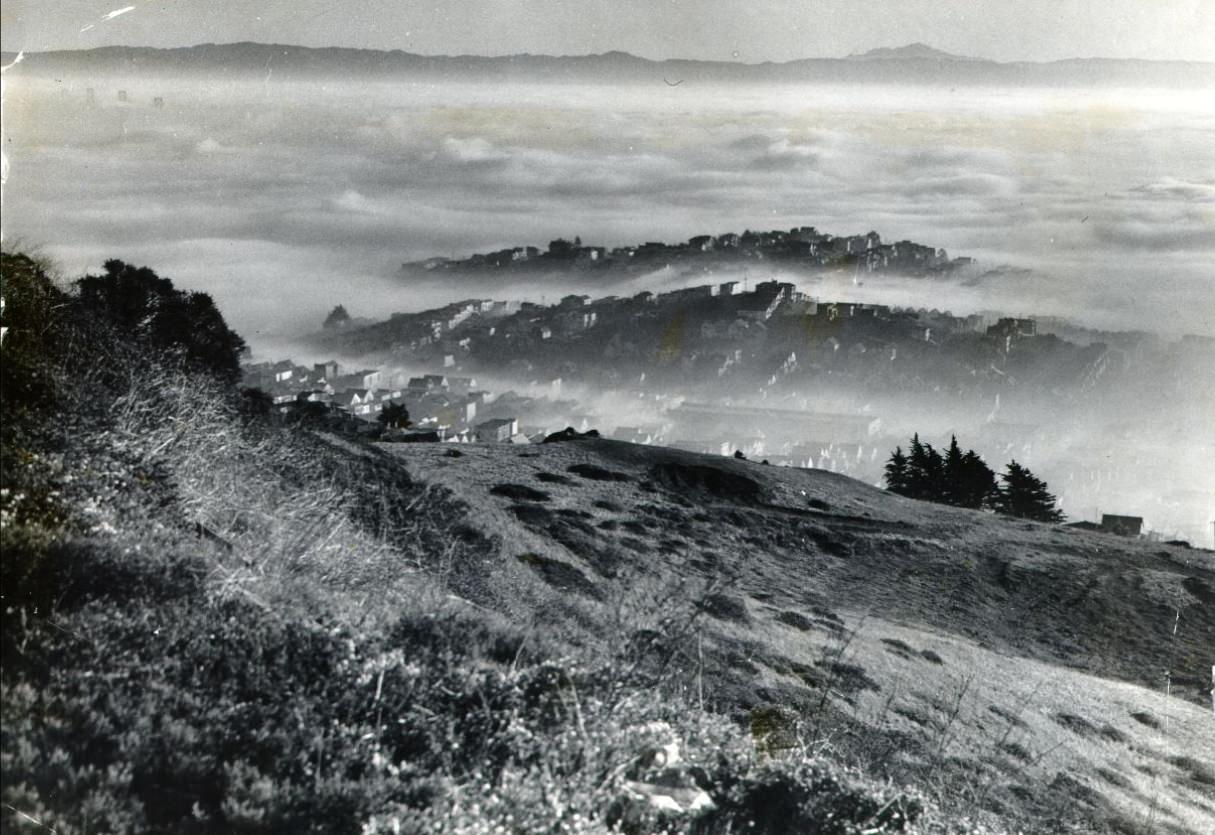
768, 372
804, 247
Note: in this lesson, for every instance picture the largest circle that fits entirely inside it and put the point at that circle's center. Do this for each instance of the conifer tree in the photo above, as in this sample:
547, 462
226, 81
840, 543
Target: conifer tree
979, 486
1026, 496
953, 484
925, 471
896, 472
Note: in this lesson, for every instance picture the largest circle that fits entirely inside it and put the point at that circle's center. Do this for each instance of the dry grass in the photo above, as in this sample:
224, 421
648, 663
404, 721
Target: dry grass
949, 613
281, 647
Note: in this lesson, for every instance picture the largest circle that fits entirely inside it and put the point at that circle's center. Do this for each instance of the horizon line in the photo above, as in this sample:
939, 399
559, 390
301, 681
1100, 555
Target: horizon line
944, 54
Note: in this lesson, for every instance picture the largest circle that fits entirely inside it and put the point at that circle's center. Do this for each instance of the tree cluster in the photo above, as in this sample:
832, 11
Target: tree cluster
394, 416
143, 308
337, 318
963, 479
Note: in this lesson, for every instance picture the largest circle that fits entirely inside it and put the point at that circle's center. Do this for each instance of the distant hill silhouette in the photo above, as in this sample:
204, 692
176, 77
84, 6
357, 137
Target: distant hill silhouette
916, 63
910, 52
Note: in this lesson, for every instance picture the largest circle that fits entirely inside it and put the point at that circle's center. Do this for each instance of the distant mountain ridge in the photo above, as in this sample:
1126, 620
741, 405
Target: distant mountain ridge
914, 63
911, 52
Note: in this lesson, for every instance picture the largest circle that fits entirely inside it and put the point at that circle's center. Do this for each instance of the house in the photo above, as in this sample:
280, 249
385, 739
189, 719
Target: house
762, 305
461, 385
313, 396
1122, 525
427, 384
365, 379
283, 371
498, 430
806, 235
353, 401
729, 288
282, 393
584, 254
327, 370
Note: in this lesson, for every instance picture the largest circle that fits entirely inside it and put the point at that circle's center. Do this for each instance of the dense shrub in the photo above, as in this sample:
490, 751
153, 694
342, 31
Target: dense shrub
145, 308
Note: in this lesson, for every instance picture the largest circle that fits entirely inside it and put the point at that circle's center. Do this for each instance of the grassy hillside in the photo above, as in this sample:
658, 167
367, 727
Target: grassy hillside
215, 623
1026, 666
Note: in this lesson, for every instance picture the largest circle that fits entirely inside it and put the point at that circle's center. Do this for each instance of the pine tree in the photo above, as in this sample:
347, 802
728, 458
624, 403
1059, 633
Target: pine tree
916, 468
896, 472
979, 485
1026, 496
925, 471
953, 485
934, 474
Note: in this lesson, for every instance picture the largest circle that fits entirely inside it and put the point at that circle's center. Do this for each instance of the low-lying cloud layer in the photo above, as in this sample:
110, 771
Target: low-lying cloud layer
283, 200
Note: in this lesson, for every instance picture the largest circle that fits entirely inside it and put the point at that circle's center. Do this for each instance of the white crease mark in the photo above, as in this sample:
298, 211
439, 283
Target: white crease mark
117, 12
108, 17
4, 163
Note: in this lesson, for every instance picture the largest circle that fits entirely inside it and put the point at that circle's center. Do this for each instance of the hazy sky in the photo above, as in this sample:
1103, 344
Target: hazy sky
757, 30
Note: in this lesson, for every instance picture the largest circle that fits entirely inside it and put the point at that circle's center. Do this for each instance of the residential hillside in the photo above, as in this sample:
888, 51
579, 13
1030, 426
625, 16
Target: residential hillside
215, 620
803, 249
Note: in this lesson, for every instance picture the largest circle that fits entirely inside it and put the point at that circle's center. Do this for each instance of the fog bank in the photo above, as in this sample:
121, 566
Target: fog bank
283, 199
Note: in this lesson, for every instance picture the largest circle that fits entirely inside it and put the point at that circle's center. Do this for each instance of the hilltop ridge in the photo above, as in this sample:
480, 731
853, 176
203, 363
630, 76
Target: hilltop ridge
803, 248
913, 64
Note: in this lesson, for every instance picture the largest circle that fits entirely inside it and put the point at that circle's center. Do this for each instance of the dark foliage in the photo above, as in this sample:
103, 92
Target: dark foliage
963, 479
1025, 496
144, 308
33, 310
897, 474
976, 487
925, 472
338, 317
394, 416
569, 433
